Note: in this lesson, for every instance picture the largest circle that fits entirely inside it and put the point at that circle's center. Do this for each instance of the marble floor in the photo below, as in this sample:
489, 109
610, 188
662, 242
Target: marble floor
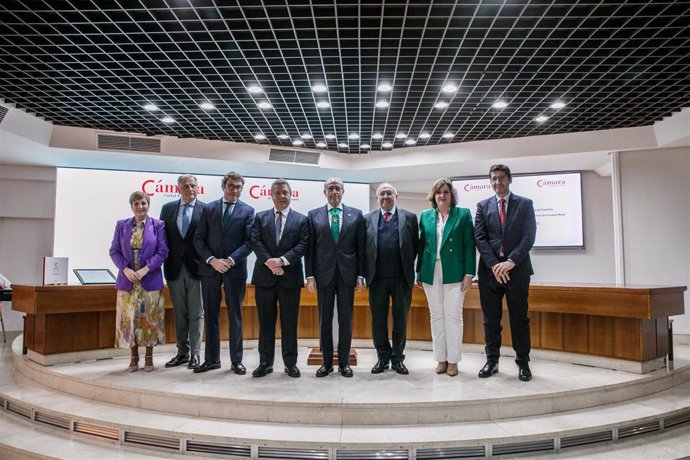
422, 385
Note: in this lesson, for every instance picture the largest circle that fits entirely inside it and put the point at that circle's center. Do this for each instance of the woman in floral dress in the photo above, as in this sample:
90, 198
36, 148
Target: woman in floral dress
139, 249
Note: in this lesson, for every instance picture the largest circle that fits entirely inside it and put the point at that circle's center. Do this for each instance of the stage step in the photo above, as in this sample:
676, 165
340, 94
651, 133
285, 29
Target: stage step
87, 420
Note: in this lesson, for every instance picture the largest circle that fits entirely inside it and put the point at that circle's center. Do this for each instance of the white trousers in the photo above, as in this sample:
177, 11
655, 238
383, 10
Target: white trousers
445, 311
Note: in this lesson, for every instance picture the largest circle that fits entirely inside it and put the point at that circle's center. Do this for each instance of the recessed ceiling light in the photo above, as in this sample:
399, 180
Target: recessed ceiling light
384, 87
424, 135
264, 105
168, 120
151, 107
410, 142
259, 137
353, 136
500, 105
306, 136
448, 135
400, 136
541, 119
387, 145
449, 88
321, 144
330, 136
382, 104
441, 105
377, 136
255, 89
365, 146
283, 136
297, 142
323, 104
558, 105
207, 105
343, 145
319, 88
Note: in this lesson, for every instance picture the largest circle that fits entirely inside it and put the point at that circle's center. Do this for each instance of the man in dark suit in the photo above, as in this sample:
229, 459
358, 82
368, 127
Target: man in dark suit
392, 244
505, 228
280, 238
335, 270
222, 241
181, 218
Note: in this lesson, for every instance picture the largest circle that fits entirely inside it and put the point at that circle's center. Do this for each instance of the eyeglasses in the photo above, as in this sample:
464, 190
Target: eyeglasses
385, 194
233, 187
334, 188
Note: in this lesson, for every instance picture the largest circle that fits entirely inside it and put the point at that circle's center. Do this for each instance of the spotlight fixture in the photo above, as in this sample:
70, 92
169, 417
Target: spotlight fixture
558, 105
382, 104
343, 145
168, 120
449, 88
387, 145
306, 136
384, 87
259, 137
377, 136
207, 105
410, 142
448, 136
255, 89
500, 105
323, 104
330, 136
319, 88
297, 142
365, 146
321, 144
424, 135
353, 136
151, 107
264, 105
283, 136
400, 136
541, 119
441, 105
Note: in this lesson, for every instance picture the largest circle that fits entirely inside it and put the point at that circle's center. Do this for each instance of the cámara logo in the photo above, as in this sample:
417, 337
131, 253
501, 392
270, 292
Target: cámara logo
476, 187
261, 191
550, 183
152, 187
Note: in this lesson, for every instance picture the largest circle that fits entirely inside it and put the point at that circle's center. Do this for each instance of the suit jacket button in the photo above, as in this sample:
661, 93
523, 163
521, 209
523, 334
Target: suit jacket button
451, 250
450, 239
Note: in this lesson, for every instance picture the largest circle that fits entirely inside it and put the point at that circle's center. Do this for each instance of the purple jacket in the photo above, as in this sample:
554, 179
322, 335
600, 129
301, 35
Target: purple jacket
153, 253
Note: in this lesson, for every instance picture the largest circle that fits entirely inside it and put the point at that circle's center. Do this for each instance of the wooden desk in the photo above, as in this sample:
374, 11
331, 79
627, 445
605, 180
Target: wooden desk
628, 323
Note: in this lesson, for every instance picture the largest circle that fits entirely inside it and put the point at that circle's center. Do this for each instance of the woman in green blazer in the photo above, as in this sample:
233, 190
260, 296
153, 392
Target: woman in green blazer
446, 265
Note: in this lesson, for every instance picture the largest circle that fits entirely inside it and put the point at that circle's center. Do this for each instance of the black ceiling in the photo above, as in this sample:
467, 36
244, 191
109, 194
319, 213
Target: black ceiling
95, 63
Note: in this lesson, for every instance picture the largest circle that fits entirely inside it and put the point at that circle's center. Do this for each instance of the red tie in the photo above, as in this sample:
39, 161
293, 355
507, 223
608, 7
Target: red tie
502, 218
387, 216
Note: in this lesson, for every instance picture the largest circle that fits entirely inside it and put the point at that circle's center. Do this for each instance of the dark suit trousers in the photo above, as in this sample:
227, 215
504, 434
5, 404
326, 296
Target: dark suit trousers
491, 294
326, 298
234, 296
267, 300
380, 291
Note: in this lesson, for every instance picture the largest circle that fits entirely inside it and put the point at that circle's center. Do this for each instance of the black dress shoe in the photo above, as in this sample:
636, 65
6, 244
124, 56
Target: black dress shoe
524, 374
324, 370
194, 363
380, 366
345, 370
489, 369
177, 360
207, 366
239, 369
400, 368
262, 370
292, 371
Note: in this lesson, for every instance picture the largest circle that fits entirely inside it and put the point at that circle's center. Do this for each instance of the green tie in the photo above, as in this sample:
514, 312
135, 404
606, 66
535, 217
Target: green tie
335, 223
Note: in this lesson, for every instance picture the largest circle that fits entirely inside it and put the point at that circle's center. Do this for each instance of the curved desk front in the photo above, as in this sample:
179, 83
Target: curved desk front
618, 322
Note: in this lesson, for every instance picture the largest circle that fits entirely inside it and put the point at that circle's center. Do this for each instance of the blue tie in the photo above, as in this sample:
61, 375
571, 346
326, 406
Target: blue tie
185, 220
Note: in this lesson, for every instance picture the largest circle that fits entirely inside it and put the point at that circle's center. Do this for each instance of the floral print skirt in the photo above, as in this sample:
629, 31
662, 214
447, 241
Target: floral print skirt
140, 318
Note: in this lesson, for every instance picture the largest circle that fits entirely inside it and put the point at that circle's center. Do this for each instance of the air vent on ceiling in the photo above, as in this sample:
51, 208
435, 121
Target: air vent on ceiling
3, 112
136, 144
294, 156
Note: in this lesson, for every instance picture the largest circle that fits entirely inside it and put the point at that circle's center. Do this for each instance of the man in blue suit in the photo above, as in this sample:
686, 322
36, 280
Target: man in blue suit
222, 241
504, 231
335, 270
280, 238
181, 218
